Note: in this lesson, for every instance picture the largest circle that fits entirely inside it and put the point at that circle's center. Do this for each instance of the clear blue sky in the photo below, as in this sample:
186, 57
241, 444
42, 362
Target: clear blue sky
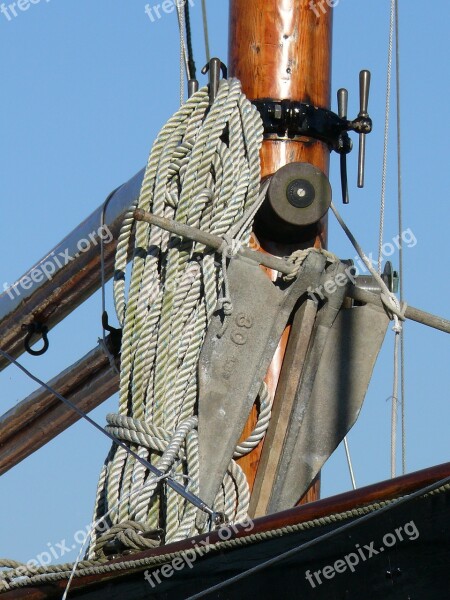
85, 88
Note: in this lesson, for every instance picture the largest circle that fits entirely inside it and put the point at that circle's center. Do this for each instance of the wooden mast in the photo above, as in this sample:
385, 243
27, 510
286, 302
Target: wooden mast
281, 49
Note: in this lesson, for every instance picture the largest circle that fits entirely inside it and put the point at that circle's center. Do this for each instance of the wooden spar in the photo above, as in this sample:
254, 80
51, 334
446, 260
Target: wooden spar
41, 416
65, 277
280, 49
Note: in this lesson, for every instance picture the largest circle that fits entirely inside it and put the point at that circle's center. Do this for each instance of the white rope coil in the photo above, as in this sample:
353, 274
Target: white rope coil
204, 171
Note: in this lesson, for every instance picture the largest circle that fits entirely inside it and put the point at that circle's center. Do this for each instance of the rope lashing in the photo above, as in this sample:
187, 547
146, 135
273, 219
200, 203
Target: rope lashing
203, 171
298, 257
130, 535
229, 249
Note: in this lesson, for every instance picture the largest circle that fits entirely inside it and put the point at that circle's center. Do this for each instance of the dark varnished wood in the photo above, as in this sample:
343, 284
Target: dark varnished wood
41, 416
386, 490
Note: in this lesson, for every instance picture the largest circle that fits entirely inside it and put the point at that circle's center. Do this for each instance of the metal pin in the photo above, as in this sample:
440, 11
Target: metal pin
192, 87
342, 97
364, 88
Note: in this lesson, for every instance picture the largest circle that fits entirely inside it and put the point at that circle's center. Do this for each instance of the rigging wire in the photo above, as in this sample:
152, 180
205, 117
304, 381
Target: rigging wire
192, 71
96, 523
349, 462
386, 133
103, 341
177, 487
184, 63
392, 34
322, 538
400, 231
205, 31
394, 407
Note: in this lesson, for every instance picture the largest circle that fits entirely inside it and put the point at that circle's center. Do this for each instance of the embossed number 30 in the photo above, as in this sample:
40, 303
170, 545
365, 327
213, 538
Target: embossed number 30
240, 336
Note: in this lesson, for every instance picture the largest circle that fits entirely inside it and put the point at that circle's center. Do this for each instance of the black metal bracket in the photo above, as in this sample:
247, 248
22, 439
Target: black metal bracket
115, 335
286, 118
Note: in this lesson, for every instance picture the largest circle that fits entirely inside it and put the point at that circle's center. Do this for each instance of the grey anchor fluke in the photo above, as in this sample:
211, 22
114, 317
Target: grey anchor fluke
330, 395
234, 362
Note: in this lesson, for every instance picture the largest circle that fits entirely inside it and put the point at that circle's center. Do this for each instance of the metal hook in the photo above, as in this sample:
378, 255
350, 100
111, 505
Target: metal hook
33, 328
115, 334
214, 67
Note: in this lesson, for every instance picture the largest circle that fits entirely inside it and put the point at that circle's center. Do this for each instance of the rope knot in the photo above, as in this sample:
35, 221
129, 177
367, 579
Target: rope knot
127, 536
298, 257
228, 249
395, 309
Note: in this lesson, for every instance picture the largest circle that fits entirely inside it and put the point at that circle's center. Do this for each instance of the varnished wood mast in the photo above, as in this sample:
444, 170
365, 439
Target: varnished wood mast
280, 49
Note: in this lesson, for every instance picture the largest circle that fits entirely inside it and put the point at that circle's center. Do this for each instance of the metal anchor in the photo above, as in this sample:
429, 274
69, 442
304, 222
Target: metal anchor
329, 396
233, 364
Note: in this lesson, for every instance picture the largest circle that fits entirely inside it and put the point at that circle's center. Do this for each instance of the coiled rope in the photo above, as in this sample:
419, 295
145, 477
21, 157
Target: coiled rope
204, 171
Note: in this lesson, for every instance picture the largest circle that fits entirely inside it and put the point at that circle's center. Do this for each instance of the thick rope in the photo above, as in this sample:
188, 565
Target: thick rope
298, 257
204, 171
262, 424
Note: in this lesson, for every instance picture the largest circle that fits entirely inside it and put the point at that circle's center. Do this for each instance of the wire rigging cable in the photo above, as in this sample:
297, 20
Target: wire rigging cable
400, 231
320, 539
154, 470
349, 462
386, 133
192, 72
183, 51
205, 31
393, 33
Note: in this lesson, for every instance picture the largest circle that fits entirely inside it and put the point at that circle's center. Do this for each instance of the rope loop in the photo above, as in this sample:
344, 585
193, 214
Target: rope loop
229, 249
